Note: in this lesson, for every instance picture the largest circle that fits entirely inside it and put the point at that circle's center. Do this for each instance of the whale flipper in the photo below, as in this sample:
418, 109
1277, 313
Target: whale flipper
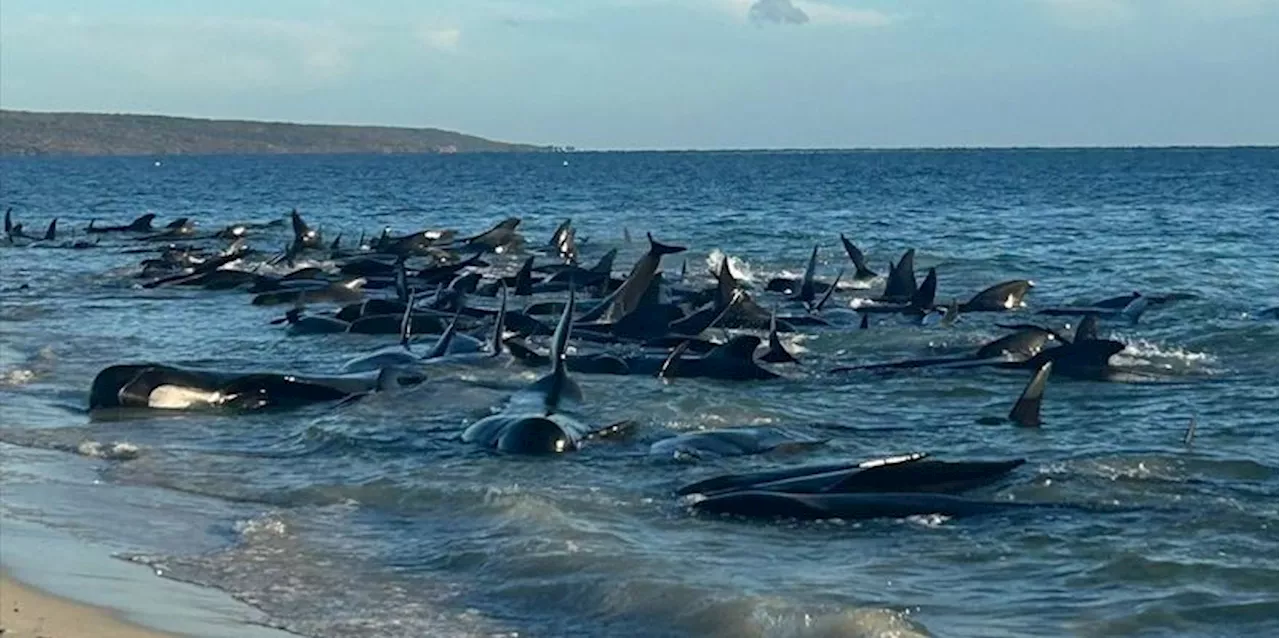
830, 291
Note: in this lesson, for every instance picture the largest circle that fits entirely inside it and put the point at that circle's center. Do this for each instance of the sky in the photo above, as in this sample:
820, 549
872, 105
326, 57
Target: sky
672, 74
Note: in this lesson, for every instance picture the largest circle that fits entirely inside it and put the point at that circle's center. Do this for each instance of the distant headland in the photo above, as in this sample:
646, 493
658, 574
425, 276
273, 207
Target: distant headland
41, 133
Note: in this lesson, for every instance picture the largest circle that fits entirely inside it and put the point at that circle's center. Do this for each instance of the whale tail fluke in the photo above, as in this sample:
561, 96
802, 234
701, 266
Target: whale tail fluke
858, 258
659, 249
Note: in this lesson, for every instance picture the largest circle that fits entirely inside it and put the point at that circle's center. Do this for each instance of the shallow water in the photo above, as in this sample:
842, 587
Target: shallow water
375, 520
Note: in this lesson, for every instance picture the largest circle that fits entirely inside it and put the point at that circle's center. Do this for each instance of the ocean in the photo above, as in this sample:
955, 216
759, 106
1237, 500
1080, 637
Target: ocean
374, 520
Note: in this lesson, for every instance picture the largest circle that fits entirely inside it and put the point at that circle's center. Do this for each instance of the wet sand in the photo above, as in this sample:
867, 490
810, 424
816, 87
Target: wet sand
26, 612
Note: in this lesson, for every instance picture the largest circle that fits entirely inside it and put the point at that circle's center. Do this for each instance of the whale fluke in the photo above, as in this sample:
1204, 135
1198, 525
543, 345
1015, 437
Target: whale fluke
859, 260
659, 249
1026, 411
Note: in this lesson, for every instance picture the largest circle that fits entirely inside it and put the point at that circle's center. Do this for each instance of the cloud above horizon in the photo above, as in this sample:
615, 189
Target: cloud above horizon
777, 12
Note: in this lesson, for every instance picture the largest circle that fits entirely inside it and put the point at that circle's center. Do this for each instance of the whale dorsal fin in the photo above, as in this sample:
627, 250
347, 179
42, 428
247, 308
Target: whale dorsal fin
556, 385
1135, 308
605, 265
51, 233
777, 352
1026, 411
524, 279
923, 298
1087, 330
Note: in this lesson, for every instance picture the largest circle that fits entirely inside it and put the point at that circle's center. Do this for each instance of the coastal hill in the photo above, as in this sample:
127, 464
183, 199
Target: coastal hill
38, 133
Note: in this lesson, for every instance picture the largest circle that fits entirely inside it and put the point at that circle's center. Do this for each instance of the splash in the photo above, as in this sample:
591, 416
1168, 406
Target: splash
1143, 353
739, 268
114, 451
260, 527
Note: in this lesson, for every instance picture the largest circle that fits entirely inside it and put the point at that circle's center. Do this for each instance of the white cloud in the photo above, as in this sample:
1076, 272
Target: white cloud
440, 39
777, 12
814, 12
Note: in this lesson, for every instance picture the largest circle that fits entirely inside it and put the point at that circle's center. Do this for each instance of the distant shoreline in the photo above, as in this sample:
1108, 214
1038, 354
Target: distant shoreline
32, 133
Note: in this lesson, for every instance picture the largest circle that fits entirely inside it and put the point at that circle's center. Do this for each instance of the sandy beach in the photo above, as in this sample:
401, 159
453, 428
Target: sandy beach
26, 612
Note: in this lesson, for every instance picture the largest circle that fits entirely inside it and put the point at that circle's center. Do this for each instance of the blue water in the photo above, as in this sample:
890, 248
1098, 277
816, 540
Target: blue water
374, 520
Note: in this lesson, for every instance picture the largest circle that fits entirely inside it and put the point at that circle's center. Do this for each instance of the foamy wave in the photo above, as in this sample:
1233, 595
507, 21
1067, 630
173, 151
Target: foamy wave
739, 268
114, 451
1145, 353
858, 622
35, 365
263, 526
16, 377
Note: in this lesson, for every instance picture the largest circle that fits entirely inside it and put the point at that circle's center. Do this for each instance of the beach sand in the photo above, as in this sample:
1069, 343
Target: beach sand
26, 612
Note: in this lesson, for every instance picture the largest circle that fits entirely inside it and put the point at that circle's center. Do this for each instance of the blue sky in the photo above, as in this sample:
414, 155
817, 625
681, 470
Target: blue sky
672, 73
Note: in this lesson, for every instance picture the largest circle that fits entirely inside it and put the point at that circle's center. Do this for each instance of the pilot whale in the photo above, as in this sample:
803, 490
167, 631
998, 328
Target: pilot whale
164, 387
535, 421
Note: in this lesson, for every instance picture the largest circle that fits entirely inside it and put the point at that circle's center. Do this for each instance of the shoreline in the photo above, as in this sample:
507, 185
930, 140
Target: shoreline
65, 587
28, 612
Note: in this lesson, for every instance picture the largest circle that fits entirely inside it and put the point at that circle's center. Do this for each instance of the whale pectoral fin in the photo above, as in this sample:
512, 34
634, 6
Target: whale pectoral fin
1026, 412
